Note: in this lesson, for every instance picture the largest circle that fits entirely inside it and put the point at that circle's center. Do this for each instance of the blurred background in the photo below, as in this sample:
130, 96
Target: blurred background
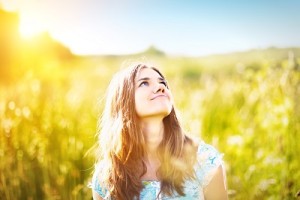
233, 68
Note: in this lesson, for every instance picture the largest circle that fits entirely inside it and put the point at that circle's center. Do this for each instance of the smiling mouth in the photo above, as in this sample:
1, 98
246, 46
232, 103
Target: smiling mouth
159, 96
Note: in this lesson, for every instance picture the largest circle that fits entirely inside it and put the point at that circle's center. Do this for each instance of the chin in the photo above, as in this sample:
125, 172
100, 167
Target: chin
154, 111
162, 114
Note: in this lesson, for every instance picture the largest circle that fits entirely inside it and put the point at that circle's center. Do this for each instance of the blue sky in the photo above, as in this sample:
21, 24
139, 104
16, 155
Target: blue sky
190, 28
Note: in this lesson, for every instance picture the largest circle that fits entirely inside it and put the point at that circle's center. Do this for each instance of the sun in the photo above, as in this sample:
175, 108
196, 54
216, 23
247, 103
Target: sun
30, 26
30, 23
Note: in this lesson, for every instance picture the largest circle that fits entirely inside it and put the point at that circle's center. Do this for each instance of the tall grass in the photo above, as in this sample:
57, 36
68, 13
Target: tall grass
249, 110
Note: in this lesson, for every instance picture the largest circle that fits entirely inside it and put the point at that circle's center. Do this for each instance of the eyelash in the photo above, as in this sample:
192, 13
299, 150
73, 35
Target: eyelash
146, 82
142, 83
165, 83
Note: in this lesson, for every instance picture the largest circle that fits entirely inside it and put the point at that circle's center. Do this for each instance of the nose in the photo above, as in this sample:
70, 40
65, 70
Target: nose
159, 88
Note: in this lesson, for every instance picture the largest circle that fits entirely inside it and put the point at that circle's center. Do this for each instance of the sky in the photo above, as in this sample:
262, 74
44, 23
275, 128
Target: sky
189, 28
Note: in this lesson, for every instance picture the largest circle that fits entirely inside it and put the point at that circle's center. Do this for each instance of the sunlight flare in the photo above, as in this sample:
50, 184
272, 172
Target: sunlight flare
30, 26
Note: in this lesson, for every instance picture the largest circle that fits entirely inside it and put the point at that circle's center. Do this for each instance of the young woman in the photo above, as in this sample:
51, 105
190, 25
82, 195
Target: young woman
143, 151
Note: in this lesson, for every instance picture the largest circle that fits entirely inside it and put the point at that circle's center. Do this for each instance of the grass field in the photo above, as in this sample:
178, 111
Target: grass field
245, 104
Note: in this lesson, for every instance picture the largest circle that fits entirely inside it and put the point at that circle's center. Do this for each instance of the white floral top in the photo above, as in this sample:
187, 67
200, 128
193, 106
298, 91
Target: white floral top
208, 160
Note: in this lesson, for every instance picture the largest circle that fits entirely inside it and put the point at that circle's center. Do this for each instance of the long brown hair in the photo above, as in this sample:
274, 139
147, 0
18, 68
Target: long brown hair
122, 144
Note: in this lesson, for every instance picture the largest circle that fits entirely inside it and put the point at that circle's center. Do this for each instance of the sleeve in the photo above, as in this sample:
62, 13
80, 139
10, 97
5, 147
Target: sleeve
95, 185
208, 161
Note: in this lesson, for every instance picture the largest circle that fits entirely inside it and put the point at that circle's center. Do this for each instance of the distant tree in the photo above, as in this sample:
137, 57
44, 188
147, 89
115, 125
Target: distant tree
17, 55
9, 44
154, 51
44, 46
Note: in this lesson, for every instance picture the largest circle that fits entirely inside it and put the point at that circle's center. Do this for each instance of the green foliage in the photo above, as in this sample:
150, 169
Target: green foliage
248, 109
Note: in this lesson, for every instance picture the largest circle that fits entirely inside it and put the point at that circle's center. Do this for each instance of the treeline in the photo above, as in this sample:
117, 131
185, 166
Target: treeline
17, 56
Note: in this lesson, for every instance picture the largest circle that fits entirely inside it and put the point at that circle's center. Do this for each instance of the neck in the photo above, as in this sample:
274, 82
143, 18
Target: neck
153, 131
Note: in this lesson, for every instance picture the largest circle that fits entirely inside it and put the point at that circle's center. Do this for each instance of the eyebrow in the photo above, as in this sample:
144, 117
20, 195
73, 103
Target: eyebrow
147, 78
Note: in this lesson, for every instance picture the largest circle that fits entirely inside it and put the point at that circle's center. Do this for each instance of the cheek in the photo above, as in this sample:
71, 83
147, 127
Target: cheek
171, 97
139, 104
138, 100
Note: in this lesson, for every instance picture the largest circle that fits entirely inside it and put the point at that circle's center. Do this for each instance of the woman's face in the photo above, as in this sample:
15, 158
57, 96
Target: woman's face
152, 96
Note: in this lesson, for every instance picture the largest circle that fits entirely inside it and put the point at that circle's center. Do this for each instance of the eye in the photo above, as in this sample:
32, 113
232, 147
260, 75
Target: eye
144, 83
164, 83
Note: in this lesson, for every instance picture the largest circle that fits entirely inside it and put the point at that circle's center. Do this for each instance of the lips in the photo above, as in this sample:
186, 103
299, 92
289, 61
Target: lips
158, 96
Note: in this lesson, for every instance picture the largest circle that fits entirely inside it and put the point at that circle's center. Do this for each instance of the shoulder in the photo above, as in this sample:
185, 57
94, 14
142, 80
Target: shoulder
217, 189
209, 159
97, 186
208, 153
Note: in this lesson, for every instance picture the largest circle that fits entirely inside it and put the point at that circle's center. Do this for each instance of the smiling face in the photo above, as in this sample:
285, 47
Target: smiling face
152, 95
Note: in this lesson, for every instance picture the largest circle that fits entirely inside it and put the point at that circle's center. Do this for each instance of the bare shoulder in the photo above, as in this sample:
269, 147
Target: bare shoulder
96, 196
216, 189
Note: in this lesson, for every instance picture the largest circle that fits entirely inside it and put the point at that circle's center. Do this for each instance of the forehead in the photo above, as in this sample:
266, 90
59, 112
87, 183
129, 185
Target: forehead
148, 73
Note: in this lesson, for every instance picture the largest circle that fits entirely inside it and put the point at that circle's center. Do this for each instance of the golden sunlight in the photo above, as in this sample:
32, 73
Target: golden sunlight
30, 23
30, 26
8, 5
